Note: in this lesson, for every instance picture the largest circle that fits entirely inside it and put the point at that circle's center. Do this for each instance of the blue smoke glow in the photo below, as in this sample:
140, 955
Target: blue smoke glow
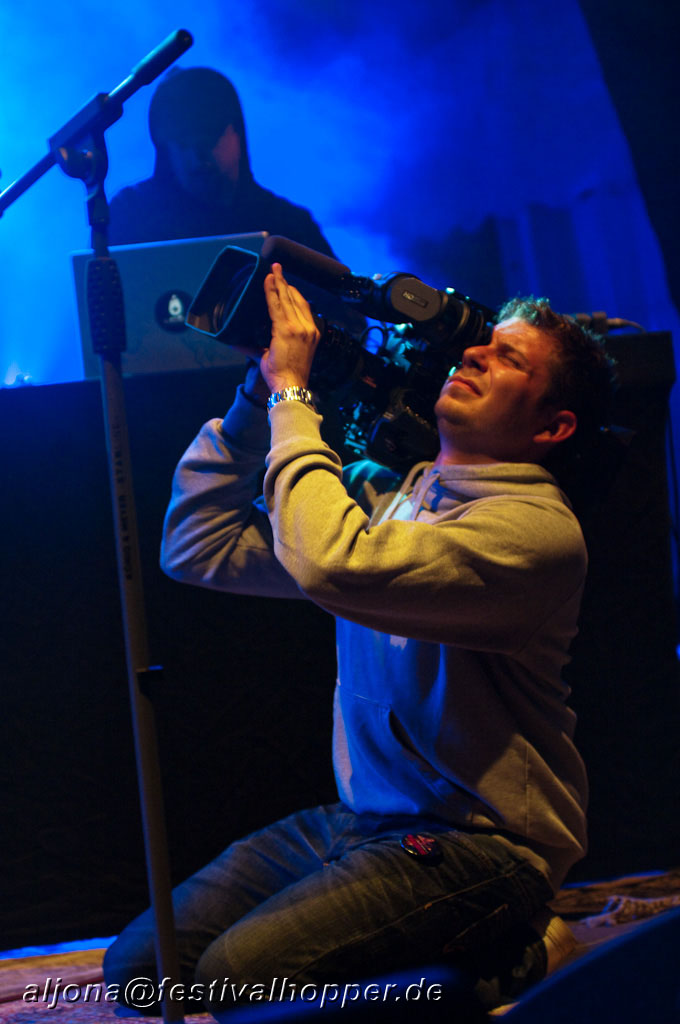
473, 144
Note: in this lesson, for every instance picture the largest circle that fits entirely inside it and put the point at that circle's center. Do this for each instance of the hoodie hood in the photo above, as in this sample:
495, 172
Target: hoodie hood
438, 492
195, 105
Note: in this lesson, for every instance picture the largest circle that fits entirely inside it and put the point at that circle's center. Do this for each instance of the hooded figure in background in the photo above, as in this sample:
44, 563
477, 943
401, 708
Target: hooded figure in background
202, 183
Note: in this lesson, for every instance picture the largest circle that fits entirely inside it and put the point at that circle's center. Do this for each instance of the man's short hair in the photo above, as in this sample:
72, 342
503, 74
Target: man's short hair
583, 374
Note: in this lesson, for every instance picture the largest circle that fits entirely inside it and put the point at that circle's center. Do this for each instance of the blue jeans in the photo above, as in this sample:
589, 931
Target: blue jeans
327, 895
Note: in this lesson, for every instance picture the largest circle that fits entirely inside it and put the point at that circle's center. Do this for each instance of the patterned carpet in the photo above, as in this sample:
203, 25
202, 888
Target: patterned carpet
67, 987
64, 987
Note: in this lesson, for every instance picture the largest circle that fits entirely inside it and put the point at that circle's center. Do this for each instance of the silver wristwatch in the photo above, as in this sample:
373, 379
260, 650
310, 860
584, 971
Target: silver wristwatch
292, 394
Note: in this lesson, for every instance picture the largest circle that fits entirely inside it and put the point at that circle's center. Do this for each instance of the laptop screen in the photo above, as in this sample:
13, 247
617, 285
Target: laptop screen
159, 281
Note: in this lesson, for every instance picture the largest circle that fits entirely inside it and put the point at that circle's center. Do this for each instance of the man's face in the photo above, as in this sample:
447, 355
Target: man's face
208, 170
492, 407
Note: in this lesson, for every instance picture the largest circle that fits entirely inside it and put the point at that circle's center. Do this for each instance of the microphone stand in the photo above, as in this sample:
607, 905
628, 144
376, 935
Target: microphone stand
79, 148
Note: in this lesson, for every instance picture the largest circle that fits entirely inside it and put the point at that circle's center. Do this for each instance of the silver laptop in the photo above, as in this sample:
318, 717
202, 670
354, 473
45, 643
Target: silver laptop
159, 281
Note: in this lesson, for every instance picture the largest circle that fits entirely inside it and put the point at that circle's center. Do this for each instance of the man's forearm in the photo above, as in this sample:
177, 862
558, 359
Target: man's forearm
214, 534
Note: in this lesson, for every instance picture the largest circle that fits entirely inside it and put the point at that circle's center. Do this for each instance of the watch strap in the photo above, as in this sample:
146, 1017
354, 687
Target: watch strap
291, 394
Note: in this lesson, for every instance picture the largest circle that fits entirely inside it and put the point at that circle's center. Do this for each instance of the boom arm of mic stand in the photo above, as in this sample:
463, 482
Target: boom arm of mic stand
101, 112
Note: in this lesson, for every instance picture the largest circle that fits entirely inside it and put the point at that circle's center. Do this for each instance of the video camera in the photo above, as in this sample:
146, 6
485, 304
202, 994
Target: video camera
385, 393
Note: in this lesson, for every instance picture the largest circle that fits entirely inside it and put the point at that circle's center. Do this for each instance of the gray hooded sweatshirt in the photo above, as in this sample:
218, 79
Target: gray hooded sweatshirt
456, 597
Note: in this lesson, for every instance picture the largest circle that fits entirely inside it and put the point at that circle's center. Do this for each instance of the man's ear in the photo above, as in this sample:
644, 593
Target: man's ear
560, 427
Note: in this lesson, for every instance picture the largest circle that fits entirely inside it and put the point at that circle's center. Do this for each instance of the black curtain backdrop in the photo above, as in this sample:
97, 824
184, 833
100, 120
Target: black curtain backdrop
244, 708
624, 673
637, 48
